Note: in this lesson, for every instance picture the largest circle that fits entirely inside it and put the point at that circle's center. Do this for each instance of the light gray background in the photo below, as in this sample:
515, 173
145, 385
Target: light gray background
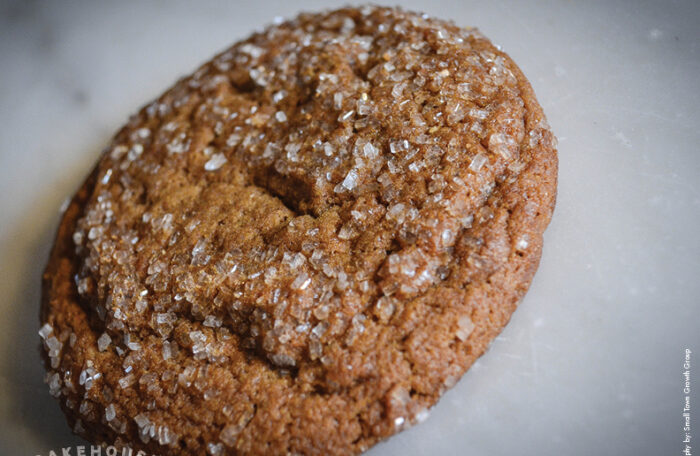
591, 362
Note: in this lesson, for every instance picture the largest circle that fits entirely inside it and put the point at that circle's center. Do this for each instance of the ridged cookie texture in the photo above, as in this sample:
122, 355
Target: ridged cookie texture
298, 248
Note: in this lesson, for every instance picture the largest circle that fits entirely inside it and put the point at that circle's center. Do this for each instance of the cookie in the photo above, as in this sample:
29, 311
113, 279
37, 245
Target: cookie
298, 248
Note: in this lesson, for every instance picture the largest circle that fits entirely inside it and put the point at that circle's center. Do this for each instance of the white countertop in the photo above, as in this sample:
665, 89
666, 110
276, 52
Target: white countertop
591, 362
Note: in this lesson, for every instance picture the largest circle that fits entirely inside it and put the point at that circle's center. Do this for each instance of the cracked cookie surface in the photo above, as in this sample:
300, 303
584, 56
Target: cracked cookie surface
301, 246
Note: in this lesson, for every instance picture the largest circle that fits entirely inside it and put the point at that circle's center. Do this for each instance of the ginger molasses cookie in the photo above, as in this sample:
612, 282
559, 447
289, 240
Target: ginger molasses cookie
298, 248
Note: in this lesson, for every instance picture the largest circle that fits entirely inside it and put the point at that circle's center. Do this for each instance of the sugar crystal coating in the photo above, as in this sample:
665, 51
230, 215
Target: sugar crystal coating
326, 223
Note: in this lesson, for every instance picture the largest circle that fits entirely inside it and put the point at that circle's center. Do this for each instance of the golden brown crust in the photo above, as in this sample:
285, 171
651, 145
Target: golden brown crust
298, 248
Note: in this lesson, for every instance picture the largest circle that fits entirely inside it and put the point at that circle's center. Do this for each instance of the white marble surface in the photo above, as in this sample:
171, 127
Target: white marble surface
591, 362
